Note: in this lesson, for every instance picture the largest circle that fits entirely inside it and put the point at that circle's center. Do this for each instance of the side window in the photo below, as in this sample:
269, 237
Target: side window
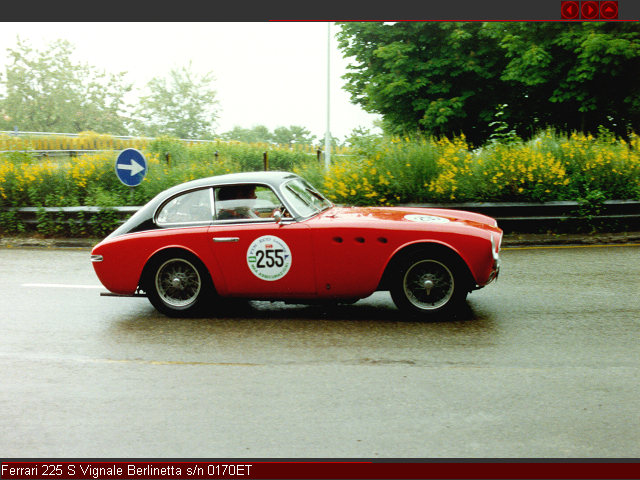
248, 201
190, 207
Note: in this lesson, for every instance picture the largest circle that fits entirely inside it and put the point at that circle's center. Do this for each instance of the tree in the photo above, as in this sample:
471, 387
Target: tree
182, 106
261, 134
45, 91
293, 134
432, 77
450, 78
362, 139
256, 134
575, 76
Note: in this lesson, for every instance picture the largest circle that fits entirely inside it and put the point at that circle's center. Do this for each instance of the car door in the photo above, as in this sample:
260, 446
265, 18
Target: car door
264, 260
261, 258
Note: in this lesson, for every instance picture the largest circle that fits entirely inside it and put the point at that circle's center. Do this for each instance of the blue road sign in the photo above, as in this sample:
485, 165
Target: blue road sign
131, 167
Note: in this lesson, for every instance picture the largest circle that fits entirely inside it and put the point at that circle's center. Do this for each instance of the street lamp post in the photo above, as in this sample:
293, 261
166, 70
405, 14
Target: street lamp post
327, 135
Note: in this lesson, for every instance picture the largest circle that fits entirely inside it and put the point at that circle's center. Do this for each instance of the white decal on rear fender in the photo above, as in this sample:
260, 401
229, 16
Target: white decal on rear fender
269, 258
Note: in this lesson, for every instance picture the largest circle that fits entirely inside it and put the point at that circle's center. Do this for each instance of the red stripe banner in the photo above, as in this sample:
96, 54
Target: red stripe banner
165, 470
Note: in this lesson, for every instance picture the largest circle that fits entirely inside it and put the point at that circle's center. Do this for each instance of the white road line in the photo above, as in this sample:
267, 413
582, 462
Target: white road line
59, 285
549, 247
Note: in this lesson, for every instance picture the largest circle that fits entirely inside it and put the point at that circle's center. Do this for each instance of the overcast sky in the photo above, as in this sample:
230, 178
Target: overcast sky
266, 73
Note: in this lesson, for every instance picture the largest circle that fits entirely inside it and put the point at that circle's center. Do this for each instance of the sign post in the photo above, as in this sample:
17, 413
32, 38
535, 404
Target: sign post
131, 168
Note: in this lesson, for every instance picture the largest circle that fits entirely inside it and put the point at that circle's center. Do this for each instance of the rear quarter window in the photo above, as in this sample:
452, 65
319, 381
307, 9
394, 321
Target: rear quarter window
193, 207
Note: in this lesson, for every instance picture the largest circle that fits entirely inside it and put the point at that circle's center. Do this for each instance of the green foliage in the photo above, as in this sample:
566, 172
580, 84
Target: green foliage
381, 171
249, 157
446, 78
10, 222
182, 106
47, 92
59, 224
590, 206
397, 170
165, 145
434, 77
104, 222
574, 76
256, 134
502, 133
50, 224
293, 135
99, 196
547, 168
361, 140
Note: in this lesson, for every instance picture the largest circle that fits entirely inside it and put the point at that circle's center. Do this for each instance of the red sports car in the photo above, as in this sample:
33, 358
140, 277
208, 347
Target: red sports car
272, 236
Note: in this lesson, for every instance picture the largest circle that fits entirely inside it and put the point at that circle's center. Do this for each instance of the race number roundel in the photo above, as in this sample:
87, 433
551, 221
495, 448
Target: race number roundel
269, 258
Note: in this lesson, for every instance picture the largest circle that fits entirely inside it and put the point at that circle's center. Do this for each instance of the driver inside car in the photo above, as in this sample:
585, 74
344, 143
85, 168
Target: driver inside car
235, 201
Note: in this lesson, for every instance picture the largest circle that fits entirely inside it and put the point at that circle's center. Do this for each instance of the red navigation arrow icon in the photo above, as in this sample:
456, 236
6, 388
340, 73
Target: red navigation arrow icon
609, 10
589, 10
569, 10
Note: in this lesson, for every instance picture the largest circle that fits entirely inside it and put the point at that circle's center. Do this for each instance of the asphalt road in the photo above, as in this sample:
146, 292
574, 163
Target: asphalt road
544, 363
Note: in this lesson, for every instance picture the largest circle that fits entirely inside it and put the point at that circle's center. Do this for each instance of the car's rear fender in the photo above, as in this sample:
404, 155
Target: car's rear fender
167, 252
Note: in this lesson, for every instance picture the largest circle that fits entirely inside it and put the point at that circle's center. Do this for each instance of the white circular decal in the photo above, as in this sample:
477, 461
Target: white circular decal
426, 218
269, 258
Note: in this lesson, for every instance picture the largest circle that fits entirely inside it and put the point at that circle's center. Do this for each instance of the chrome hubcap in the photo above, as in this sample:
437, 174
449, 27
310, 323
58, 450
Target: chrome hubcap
178, 282
428, 284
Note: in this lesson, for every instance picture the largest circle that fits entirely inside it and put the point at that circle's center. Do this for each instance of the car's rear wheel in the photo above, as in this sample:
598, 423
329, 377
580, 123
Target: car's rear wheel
178, 285
428, 284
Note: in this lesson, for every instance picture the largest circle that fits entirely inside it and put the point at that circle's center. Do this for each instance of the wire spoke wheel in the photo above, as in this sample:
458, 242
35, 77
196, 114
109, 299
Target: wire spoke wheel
428, 284
178, 283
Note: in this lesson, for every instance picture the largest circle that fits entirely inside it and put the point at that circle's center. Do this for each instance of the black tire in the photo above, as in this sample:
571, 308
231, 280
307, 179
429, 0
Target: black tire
178, 285
429, 284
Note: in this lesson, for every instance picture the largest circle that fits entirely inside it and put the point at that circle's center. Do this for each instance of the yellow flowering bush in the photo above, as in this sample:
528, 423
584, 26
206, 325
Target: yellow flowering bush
387, 172
394, 172
455, 178
521, 173
89, 178
603, 163
549, 167
25, 181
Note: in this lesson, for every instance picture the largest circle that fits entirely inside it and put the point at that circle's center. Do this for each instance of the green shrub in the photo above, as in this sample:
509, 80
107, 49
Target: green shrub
378, 171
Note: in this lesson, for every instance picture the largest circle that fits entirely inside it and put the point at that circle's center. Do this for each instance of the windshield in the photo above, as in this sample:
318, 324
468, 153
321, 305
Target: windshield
304, 198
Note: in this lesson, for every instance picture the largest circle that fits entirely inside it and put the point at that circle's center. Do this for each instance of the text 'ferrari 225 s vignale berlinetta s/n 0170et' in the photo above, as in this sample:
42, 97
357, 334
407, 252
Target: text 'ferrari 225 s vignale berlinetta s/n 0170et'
273, 236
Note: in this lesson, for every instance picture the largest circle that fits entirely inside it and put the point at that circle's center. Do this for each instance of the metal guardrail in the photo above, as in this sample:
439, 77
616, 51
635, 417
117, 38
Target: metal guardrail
16, 133
559, 215
19, 133
57, 153
29, 216
512, 217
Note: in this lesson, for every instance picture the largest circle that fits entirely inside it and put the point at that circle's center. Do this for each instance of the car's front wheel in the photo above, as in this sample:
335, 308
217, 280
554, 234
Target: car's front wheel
429, 284
178, 285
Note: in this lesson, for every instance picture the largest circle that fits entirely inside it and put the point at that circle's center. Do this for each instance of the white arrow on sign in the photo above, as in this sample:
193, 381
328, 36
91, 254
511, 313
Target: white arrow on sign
134, 167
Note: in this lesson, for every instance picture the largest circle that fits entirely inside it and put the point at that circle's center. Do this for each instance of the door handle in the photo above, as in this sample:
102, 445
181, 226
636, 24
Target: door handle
225, 239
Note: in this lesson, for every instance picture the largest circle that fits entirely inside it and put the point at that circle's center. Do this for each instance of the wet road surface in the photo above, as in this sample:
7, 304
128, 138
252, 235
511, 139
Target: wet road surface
543, 363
